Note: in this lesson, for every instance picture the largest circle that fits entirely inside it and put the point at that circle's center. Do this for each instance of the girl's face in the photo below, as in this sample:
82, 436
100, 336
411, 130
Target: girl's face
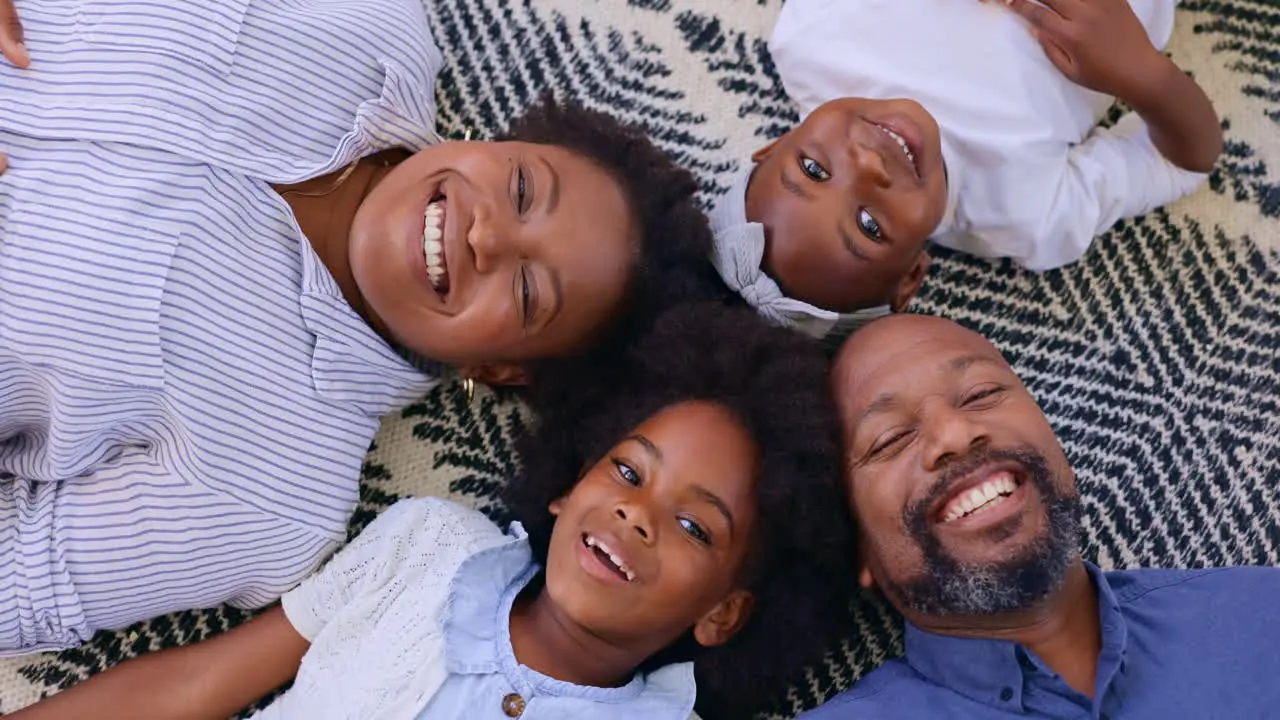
477, 253
652, 540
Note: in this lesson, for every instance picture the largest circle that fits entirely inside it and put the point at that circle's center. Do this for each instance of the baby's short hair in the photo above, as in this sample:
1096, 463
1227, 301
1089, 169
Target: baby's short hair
774, 381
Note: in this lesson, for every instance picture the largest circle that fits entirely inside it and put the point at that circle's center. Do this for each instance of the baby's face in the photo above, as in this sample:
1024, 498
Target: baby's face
651, 541
848, 199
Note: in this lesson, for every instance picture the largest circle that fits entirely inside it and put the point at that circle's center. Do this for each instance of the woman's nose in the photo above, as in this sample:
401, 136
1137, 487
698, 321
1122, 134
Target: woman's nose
484, 239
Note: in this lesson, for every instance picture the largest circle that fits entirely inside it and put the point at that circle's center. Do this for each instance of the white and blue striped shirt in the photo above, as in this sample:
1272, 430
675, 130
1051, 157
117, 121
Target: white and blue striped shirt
185, 397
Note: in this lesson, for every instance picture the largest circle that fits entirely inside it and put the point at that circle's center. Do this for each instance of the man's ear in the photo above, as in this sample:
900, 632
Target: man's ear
910, 283
758, 156
866, 578
496, 374
725, 619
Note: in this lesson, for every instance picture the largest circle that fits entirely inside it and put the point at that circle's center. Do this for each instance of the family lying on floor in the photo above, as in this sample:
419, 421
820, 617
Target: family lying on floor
231, 240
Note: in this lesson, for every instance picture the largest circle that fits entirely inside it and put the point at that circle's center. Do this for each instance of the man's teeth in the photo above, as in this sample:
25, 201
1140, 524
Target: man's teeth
432, 247
984, 497
902, 143
613, 557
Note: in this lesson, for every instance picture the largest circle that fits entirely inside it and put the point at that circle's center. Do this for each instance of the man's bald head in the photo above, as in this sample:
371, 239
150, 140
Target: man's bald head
891, 343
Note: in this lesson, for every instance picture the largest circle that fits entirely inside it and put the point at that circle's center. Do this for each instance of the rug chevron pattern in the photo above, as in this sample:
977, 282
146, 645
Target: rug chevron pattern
1157, 357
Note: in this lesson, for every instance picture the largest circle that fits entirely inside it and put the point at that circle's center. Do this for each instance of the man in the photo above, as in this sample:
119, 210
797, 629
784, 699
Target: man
970, 523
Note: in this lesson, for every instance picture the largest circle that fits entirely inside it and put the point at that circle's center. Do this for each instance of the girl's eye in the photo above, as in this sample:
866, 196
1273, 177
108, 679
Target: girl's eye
628, 475
981, 395
695, 531
869, 226
520, 190
881, 447
814, 170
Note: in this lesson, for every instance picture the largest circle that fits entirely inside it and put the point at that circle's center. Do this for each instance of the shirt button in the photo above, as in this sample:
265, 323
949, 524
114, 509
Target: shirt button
513, 705
1006, 694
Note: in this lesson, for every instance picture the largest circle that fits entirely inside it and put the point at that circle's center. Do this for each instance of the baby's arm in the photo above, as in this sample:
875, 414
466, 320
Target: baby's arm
1101, 45
212, 679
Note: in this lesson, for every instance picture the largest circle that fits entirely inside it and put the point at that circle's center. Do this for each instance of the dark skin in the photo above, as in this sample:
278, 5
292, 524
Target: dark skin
538, 243
846, 212
675, 501
916, 395
1101, 45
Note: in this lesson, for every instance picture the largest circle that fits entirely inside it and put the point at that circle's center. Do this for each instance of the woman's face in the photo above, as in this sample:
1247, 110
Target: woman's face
491, 254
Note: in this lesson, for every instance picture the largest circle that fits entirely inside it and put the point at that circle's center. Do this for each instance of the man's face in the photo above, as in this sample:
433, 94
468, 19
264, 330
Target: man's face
964, 498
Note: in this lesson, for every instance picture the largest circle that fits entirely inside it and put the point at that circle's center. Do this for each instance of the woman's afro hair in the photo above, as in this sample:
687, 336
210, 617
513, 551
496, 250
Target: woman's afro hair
673, 237
774, 381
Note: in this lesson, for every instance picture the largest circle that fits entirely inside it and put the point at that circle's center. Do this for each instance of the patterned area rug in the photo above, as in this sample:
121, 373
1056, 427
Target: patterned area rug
1155, 357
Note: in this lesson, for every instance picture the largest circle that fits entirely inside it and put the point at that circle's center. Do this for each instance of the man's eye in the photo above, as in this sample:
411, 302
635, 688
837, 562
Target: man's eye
880, 447
813, 169
695, 531
869, 225
628, 475
984, 394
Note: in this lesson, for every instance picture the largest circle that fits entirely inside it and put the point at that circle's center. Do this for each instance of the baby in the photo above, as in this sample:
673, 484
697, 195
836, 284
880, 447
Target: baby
997, 153
687, 519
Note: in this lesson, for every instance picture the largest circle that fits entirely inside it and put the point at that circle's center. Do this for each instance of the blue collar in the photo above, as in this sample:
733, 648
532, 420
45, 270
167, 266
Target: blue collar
477, 633
986, 671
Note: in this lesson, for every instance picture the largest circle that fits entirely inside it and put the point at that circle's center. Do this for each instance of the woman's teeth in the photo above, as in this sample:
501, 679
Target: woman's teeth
902, 143
433, 248
984, 497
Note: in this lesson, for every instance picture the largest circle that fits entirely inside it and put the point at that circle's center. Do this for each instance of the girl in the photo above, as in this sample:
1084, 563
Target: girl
690, 520
215, 260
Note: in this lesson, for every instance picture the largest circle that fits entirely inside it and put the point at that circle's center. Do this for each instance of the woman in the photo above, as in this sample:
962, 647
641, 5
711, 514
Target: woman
214, 259
686, 523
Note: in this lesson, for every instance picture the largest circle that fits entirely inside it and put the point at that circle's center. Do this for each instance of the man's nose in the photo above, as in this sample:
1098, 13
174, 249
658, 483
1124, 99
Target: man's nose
950, 434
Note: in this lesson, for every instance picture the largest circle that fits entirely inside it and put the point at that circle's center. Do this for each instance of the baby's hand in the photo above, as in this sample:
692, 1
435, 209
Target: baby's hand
4, 163
11, 35
1099, 44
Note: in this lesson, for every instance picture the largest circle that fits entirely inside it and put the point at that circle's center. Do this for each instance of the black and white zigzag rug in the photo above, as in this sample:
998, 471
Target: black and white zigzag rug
1156, 357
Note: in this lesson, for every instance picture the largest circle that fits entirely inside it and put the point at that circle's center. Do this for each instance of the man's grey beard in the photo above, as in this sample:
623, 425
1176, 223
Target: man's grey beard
950, 587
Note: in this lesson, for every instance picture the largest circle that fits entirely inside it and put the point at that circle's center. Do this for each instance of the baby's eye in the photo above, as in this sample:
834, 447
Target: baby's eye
695, 531
869, 225
628, 475
813, 169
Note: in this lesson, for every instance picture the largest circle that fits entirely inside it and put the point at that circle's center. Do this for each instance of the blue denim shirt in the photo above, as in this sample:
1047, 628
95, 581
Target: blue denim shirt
483, 669
1194, 644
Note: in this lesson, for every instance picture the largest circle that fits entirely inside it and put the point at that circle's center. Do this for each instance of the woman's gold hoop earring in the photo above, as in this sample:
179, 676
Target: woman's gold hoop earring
469, 388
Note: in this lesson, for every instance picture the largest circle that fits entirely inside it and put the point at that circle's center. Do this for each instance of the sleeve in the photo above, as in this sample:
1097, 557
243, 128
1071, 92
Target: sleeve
1115, 173
371, 561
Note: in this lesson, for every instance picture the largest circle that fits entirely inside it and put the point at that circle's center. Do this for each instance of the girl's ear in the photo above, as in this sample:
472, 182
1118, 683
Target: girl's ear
725, 619
556, 506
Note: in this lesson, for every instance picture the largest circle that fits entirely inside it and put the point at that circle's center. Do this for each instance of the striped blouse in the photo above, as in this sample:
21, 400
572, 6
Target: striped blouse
185, 397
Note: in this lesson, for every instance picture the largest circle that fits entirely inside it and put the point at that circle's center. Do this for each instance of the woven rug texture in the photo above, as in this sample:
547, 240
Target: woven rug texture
1156, 357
